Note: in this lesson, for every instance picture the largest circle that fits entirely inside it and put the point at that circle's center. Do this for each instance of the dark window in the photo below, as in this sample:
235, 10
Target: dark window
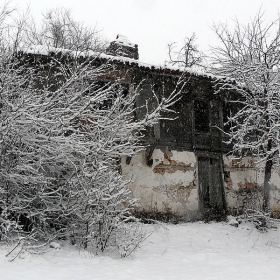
112, 91
201, 116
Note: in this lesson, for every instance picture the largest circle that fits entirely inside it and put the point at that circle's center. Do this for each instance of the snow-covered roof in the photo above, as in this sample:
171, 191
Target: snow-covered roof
47, 50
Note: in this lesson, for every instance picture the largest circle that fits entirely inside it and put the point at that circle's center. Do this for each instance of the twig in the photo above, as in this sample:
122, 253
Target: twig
16, 255
18, 243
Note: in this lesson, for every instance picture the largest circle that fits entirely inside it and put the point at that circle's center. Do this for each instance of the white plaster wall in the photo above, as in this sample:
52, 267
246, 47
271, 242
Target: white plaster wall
275, 191
168, 185
245, 187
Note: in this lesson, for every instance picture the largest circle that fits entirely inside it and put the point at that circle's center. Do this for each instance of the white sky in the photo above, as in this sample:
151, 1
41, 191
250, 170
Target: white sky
152, 24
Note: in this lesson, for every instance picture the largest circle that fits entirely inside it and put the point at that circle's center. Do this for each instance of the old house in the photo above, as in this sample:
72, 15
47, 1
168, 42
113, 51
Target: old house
185, 171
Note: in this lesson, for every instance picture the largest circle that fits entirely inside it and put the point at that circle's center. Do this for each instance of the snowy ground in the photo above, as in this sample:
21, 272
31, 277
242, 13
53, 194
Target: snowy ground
187, 251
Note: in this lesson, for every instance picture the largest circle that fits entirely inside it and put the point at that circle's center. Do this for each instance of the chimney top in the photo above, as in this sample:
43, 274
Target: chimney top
122, 46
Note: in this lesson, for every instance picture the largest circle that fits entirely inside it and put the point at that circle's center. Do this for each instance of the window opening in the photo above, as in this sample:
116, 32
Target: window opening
201, 116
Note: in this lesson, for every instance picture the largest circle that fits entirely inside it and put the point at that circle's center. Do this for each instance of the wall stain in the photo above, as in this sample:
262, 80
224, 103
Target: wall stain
169, 165
247, 186
228, 180
237, 163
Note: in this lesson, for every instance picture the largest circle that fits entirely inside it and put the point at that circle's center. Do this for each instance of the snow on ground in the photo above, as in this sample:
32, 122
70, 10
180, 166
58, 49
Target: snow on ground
185, 251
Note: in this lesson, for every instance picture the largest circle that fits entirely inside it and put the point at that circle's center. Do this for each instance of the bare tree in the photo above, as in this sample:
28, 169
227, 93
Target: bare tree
186, 56
60, 30
250, 56
14, 24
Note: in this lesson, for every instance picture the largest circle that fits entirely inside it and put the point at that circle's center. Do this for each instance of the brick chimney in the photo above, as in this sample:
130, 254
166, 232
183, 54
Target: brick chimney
123, 47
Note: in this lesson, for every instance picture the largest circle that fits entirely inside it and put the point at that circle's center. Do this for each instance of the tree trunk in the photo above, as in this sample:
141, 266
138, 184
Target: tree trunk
267, 176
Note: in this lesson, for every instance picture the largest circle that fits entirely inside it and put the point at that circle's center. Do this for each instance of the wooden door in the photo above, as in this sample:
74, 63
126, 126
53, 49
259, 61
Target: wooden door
211, 190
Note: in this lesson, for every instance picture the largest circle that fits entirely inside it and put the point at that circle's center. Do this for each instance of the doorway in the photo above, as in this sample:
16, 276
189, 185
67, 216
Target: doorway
211, 193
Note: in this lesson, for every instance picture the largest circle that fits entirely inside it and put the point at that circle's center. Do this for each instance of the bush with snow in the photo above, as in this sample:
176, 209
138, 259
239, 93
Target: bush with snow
62, 134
